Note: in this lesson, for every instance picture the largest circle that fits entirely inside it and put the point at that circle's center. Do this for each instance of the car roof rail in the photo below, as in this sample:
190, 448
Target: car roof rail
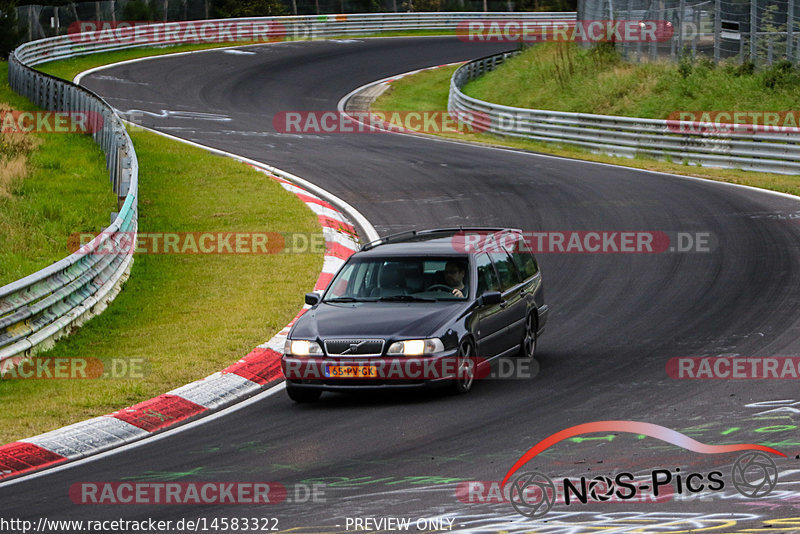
410, 234
400, 236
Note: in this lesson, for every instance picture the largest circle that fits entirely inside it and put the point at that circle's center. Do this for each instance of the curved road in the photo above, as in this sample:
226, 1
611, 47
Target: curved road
616, 318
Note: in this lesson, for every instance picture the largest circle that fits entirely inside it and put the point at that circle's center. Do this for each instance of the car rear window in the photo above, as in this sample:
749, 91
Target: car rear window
526, 264
523, 258
505, 269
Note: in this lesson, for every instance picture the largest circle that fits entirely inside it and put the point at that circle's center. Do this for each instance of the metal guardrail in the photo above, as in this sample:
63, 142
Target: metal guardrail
292, 27
740, 148
43, 306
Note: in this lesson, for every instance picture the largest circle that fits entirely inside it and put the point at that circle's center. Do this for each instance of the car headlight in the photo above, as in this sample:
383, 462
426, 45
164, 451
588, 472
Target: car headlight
302, 347
416, 347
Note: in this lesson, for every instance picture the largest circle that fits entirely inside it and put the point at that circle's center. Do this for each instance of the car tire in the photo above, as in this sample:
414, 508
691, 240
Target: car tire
527, 348
302, 395
465, 367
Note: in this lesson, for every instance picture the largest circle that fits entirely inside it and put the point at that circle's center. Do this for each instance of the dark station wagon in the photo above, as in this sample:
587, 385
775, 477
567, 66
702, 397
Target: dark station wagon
417, 309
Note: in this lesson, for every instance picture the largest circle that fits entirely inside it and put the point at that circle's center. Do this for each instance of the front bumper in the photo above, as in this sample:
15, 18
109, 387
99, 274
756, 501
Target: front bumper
373, 373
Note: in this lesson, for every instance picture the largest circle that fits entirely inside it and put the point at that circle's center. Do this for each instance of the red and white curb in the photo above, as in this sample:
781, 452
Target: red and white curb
257, 371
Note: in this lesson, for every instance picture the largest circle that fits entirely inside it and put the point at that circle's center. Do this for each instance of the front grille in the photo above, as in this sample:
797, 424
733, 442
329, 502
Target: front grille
354, 347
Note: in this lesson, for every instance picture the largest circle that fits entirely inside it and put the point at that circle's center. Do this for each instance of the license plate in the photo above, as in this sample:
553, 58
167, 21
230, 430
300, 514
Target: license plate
352, 371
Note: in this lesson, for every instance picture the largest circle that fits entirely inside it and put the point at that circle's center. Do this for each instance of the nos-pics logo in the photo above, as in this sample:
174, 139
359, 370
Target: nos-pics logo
533, 494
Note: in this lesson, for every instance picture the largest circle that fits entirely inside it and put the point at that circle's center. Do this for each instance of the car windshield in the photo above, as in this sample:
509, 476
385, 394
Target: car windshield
401, 280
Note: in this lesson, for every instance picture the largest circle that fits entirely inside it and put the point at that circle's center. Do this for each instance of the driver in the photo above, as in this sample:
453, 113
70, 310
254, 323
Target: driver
454, 272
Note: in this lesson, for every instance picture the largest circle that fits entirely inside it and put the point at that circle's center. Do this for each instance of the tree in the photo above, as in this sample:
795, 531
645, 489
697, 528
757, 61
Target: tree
249, 8
547, 5
10, 35
141, 10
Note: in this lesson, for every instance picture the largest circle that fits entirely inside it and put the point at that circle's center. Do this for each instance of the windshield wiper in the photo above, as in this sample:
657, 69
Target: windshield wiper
347, 299
407, 298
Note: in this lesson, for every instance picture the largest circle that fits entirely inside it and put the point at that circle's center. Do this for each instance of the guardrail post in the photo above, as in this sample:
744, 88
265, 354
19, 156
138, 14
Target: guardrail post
790, 30
48, 93
717, 29
753, 30
125, 176
681, 12
116, 168
769, 49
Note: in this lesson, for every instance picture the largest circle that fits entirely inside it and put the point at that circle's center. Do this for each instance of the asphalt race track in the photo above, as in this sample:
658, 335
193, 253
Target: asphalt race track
616, 320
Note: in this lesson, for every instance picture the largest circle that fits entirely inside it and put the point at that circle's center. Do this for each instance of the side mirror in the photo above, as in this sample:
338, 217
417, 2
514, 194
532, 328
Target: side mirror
312, 299
490, 297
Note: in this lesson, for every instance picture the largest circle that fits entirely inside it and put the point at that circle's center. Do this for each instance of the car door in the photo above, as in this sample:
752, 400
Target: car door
514, 305
492, 318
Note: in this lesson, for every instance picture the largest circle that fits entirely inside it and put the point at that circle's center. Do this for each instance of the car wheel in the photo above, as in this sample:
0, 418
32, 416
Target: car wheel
465, 367
302, 394
528, 348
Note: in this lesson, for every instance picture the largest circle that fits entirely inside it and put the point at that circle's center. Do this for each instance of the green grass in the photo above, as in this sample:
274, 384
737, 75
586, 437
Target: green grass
66, 190
187, 316
428, 90
563, 77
